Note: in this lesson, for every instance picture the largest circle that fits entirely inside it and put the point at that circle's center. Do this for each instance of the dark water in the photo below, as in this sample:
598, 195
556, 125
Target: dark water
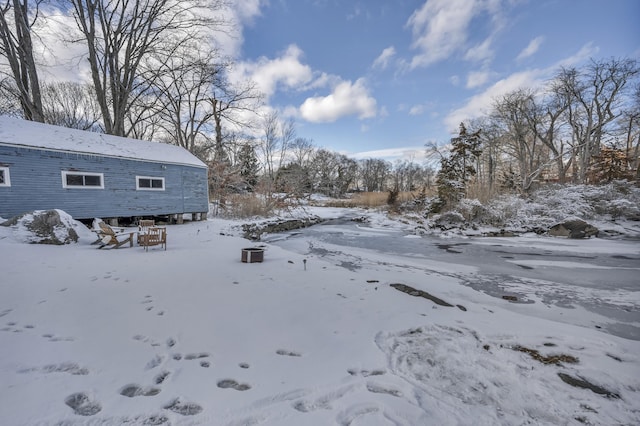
554, 269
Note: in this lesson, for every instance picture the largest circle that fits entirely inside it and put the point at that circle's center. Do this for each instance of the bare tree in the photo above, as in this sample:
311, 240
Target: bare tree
269, 144
121, 35
630, 122
72, 105
233, 105
181, 98
374, 173
16, 45
287, 136
595, 93
301, 150
513, 114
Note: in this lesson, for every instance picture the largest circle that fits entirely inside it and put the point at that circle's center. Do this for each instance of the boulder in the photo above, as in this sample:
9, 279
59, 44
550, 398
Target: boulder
573, 229
44, 227
254, 231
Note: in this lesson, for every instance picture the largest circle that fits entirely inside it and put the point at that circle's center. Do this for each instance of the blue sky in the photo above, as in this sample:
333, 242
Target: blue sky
381, 78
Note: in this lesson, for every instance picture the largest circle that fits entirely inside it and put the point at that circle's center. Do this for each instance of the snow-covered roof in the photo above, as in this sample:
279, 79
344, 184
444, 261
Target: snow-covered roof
31, 134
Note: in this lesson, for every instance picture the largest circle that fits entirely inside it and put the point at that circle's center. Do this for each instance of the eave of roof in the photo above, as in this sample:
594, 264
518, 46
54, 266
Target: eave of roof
29, 134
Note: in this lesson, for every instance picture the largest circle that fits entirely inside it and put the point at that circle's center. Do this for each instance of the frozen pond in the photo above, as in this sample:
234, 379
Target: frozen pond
594, 282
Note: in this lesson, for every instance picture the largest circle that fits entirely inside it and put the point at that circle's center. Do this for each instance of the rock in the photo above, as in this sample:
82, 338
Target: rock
449, 220
44, 227
573, 229
254, 231
500, 233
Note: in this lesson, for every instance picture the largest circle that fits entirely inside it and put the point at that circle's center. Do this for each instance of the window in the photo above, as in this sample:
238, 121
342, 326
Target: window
5, 180
82, 180
148, 183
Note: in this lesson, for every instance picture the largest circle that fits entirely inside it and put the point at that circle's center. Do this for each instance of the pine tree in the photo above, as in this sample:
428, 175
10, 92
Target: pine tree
458, 168
249, 166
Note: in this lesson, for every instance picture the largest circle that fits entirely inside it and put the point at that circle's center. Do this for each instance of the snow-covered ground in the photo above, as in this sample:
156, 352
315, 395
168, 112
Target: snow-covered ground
193, 336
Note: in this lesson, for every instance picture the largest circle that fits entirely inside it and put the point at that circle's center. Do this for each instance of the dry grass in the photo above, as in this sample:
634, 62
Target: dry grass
243, 206
481, 192
370, 199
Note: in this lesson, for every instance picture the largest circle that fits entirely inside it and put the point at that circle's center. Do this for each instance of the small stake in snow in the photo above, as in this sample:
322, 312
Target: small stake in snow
304, 261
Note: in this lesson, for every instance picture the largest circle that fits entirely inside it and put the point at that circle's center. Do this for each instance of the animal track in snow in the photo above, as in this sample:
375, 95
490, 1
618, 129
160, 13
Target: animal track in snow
183, 408
61, 339
82, 405
287, 353
322, 402
156, 361
133, 390
160, 378
65, 367
230, 383
377, 388
13, 326
365, 373
196, 356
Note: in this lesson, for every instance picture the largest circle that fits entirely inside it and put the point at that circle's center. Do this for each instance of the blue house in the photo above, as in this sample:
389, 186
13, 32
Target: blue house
92, 175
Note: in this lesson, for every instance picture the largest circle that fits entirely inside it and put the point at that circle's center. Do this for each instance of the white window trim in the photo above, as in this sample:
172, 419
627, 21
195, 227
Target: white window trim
138, 188
68, 172
7, 176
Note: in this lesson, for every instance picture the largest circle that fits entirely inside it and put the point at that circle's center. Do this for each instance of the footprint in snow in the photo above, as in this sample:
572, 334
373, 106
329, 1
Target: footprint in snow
156, 361
183, 408
82, 405
160, 378
365, 373
377, 388
196, 356
232, 384
134, 390
287, 353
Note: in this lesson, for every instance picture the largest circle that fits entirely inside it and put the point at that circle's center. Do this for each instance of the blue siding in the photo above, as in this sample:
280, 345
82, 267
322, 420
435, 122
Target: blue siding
36, 184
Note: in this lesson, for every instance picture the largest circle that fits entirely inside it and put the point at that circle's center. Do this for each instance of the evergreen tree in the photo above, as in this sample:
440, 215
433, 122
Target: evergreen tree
293, 179
249, 165
457, 169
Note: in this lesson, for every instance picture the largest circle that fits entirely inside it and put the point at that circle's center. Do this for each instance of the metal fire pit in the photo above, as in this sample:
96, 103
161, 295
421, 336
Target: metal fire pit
252, 255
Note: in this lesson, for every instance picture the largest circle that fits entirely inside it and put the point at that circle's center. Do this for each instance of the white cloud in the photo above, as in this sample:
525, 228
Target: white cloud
587, 51
416, 110
480, 104
480, 52
477, 78
382, 61
237, 15
63, 61
531, 48
409, 153
345, 100
268, 74
248, 10
439, 29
